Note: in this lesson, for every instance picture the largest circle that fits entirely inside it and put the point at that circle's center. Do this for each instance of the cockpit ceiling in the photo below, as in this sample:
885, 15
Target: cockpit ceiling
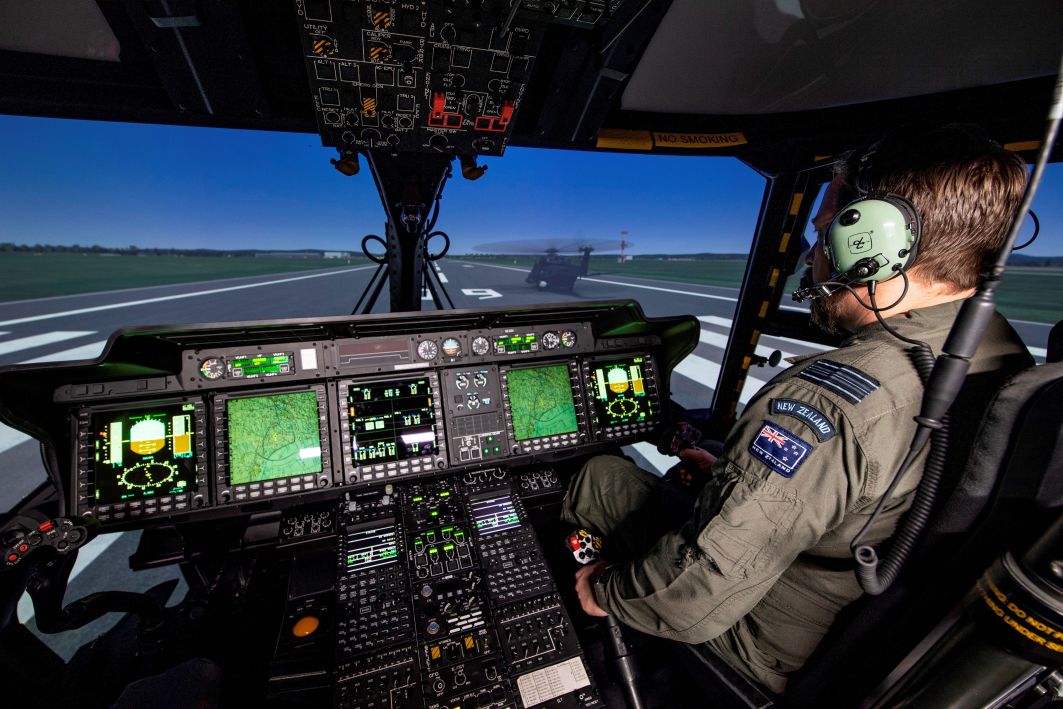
83, 33
773, 56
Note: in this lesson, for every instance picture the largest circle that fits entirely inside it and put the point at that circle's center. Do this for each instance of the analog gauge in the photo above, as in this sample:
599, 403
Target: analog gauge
480, 379
451, 347
568, 338
480, 346
461, 380
427, 350
550, 340
473, 400
147, 475
212, 368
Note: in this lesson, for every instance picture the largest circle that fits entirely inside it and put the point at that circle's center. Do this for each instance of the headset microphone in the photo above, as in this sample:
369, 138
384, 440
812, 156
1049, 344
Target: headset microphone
861, 272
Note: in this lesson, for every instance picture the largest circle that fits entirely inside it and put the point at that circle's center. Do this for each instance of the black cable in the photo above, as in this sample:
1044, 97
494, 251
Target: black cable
1036, 233
882, 321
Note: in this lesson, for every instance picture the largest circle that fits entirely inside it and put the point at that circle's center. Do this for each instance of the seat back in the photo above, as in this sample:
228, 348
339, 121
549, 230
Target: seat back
1014, 471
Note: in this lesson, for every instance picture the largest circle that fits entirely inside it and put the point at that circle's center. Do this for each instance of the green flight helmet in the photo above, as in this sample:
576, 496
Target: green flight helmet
873, 238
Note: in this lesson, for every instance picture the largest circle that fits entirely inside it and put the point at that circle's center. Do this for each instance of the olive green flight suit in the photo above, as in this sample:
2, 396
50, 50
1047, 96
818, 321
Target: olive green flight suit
759, 567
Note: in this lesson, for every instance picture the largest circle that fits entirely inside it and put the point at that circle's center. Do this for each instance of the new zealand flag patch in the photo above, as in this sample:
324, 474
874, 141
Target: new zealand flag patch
779, 449
848, 382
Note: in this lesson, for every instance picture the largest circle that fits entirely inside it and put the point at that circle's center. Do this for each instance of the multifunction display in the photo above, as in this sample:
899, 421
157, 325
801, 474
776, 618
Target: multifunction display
143, 453
370, 546
619, 391
493, 513
541, 402
273, 436
391, 420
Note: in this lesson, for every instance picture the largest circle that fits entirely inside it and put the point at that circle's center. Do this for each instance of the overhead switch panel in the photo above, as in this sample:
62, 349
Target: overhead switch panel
427, 75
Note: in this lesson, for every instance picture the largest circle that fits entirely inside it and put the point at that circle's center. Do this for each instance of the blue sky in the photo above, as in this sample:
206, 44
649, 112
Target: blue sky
112, 184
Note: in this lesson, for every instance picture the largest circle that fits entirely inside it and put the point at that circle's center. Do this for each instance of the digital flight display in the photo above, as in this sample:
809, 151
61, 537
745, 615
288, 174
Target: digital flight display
370, 546
493, 514
273, 436
619, 391
261, 365
541, 403
391, 421
144, 453
515, 343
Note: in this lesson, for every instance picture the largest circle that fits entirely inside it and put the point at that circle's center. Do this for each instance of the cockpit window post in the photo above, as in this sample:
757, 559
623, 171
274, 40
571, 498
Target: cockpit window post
784, 210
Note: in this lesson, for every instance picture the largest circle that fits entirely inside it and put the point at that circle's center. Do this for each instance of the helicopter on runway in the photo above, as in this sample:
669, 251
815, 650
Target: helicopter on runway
555, 271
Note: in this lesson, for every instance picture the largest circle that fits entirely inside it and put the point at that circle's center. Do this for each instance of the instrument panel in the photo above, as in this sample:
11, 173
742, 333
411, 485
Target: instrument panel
251, 424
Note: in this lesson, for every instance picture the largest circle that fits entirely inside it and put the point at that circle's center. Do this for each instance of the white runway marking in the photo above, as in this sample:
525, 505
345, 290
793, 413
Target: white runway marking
628, 285
442, 276
177, 296
47, 338
660, 463
9, 437
703, 370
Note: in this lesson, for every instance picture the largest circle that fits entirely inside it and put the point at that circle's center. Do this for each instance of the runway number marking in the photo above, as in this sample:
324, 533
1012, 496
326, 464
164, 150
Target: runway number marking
481, 293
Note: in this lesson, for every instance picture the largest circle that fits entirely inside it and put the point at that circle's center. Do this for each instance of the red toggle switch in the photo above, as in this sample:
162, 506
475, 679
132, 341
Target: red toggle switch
45, 526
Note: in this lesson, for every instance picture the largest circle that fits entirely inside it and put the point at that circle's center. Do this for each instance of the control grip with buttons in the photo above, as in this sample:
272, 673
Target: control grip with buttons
61, 535
585, 546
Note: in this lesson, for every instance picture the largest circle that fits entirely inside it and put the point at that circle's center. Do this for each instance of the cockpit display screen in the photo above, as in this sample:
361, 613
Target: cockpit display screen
619, 391
143, 453
369, 546
540, 400
273, 436
391, 421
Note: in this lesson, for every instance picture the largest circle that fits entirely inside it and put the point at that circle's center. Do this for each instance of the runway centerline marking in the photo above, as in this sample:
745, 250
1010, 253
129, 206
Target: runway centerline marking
46, 338
177, 296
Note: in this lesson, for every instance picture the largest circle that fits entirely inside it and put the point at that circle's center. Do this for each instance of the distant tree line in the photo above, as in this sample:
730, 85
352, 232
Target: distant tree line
133, 250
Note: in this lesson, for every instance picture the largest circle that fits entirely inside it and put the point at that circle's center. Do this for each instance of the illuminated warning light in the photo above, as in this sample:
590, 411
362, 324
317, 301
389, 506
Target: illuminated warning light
369, 107
573, 542
436, 652
382, 20
438, 116
496, 124
470, 642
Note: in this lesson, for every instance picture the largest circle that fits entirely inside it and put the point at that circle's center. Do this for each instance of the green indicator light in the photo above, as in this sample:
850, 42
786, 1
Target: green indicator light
188, 407
448, 529
435, 513
448, 547
445, 493
418, 499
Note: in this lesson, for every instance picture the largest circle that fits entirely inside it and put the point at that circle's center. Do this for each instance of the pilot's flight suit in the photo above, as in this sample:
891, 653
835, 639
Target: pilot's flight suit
759, 567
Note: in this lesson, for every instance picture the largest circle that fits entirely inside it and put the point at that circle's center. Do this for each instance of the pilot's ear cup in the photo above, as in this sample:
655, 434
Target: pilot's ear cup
881, 226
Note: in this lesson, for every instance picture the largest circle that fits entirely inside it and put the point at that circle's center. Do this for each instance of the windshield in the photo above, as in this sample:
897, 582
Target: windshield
107, 225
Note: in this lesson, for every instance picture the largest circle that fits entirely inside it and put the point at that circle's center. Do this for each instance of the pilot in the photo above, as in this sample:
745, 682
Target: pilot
759, 564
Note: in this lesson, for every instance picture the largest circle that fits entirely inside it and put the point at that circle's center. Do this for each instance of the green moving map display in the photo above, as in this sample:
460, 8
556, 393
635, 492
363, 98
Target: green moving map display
540, 400
273, 436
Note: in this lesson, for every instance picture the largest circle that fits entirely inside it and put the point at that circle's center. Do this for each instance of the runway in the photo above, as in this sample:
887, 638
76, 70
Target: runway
77, 327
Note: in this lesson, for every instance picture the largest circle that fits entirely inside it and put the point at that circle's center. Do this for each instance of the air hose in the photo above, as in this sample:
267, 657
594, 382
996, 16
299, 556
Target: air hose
873, 574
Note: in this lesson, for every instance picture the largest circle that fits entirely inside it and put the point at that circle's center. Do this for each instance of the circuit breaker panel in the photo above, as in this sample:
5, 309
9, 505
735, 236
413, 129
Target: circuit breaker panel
419, 76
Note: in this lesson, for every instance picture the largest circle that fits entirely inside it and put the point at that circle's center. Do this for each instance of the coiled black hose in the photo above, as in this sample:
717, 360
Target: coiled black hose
873, 574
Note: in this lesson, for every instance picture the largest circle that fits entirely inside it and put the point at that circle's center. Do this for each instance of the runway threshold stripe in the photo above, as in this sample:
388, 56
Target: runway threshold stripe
9, 437
705, 372
177, 296
46, 338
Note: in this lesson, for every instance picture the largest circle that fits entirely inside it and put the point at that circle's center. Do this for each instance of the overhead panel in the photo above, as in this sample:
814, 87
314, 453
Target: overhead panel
429, 76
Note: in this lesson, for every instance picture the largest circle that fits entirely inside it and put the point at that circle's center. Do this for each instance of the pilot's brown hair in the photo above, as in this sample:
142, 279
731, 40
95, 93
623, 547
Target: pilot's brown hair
965, 187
